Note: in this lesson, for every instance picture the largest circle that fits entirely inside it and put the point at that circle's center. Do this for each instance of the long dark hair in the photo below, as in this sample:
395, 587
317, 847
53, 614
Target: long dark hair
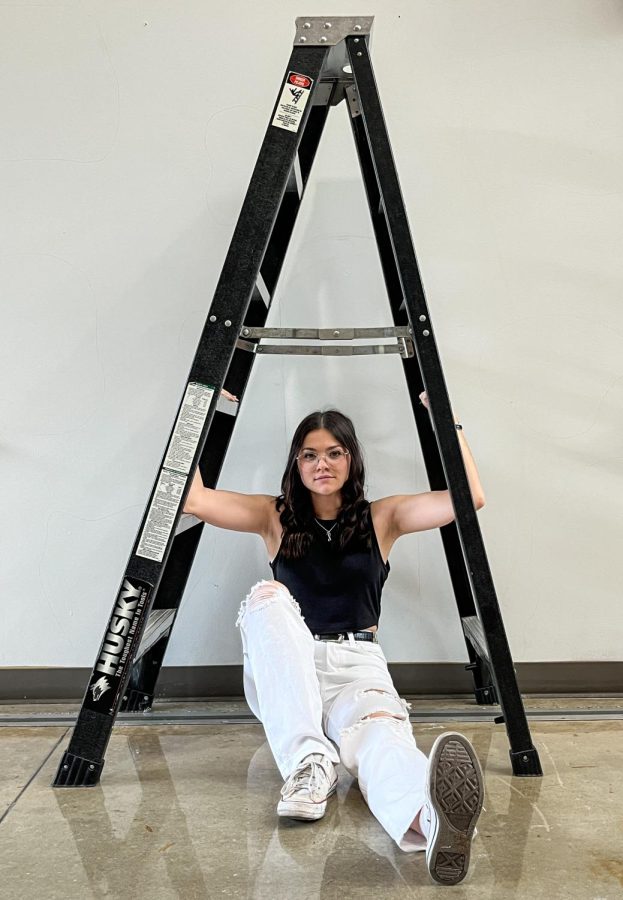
295, 505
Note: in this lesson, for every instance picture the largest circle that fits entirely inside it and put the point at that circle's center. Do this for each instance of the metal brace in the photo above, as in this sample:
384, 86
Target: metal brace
403, 345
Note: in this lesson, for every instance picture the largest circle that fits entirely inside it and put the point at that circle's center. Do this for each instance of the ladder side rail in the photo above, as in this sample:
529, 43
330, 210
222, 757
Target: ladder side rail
415, 383
382, 236
141, 689
83, 761
524, 757
253, 230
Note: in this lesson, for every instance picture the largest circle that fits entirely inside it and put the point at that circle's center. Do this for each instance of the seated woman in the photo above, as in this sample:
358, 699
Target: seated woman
314, 672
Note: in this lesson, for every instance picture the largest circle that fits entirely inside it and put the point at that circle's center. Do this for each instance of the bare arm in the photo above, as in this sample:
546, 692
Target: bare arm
227, 509
408, 513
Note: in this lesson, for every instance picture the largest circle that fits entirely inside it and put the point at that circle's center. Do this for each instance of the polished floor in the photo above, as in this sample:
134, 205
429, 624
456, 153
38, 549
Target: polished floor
188, 811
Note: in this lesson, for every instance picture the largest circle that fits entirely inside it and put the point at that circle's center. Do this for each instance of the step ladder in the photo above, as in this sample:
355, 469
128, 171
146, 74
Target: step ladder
329, 63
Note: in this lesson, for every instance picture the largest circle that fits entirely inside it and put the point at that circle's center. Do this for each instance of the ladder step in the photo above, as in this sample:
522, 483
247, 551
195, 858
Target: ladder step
158, 624
227, 406
472, 628
186, 521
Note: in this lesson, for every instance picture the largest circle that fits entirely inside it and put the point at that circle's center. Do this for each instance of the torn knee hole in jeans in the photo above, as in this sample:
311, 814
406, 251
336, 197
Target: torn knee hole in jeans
403, 703
396, 720
264, 594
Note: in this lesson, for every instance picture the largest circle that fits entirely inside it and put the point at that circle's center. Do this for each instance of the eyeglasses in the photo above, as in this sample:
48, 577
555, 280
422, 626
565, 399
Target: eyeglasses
311, 458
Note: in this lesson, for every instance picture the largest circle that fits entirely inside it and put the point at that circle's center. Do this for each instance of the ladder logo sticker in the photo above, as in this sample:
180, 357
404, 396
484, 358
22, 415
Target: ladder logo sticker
292, 102
116, 651
100, 687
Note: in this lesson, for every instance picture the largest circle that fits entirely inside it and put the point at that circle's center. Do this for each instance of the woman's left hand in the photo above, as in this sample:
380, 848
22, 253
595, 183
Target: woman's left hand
426, 403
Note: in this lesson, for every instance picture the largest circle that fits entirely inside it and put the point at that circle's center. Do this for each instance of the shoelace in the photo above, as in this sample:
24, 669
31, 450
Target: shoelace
308, 776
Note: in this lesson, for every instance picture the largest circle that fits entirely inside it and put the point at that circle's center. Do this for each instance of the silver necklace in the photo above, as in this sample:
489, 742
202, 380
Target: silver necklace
326, 530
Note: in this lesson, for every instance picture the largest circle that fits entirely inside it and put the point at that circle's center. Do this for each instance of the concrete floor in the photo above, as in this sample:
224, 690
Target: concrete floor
188, 811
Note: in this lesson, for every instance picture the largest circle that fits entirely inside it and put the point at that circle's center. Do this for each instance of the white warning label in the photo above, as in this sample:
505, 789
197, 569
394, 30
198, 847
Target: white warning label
188, 427
293, 100
161, 515
172, 479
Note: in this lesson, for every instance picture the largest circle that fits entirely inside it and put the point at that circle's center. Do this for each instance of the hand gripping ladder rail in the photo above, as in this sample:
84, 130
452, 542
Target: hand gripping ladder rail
329, 63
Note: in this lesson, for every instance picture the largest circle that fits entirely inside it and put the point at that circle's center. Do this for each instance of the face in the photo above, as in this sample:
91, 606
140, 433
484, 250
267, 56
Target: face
327, 473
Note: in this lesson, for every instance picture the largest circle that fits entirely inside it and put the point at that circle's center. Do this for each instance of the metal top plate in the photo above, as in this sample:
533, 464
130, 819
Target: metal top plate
326, 31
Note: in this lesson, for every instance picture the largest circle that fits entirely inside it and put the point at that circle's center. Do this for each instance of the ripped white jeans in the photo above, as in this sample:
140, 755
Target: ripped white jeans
313, 696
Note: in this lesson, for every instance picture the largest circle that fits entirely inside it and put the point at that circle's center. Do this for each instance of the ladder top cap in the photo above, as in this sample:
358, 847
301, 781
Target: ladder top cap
327, 31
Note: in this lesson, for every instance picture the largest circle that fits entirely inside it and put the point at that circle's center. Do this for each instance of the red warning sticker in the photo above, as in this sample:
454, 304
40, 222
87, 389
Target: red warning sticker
292, 102
299, 80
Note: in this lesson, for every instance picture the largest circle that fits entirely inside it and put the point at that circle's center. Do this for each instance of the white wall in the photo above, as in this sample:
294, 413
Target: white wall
129, 132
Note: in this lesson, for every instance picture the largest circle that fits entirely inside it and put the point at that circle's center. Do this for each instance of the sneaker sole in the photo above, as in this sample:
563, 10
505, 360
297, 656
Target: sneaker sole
456, 792
304, 810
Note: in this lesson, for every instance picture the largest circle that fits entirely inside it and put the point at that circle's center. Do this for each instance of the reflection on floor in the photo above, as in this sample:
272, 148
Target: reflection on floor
188, 811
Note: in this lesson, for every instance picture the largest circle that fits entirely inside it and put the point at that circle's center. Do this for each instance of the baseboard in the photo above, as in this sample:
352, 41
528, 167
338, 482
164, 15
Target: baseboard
198, 682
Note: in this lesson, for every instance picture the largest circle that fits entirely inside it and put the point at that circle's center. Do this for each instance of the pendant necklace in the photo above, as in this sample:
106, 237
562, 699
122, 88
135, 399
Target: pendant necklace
326, 530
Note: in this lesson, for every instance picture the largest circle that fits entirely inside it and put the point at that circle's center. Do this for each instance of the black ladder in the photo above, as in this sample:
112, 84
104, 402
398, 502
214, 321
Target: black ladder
329, 63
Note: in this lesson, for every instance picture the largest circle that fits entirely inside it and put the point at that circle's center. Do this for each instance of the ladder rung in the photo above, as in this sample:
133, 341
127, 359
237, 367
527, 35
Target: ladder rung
472, 626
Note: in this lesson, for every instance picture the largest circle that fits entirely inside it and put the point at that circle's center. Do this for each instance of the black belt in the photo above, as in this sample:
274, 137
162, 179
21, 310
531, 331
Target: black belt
343, 636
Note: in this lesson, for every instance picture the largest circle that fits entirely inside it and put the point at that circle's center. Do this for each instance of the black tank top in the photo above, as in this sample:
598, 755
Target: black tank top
337, 590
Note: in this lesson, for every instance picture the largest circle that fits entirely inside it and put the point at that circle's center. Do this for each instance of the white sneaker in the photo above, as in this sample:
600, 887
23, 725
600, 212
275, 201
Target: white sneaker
305, 793
455, 793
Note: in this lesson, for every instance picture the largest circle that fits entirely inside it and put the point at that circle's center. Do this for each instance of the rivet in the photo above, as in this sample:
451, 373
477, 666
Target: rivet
91, 767
525, 759
336, 333
356, 40
360, 53
145, 697
307, 25
327, 24
302, 40
65, 767
323, 39
245, 331
212, 318
422, 318
357, 28
426, 333
227, 323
